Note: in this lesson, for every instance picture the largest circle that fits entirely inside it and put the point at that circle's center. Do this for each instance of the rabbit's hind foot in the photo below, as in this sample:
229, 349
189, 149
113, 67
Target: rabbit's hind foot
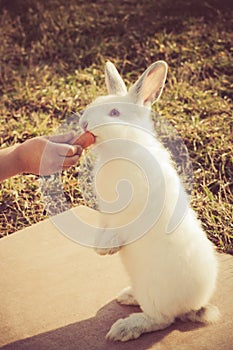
126, 297
135, 325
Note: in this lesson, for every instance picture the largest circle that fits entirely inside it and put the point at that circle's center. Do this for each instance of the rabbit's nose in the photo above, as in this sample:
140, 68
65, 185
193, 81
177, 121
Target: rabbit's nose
84, 124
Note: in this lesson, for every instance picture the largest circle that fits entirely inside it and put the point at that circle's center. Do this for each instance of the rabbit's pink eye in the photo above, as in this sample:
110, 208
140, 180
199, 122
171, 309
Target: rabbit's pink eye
114, 113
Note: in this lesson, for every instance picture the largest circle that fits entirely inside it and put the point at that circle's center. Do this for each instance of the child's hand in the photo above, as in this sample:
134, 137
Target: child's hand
47, 155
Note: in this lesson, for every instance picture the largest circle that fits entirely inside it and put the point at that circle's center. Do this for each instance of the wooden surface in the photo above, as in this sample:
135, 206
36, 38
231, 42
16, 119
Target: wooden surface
56, 294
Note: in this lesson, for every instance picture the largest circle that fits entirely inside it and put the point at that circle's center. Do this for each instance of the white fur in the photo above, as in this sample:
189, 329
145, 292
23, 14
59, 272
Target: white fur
172, 275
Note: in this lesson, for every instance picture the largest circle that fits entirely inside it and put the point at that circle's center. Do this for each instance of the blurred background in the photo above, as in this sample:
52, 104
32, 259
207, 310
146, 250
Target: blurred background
52, 56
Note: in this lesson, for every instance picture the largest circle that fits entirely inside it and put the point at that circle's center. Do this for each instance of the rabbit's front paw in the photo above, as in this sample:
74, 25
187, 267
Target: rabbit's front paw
107, 251
107, 243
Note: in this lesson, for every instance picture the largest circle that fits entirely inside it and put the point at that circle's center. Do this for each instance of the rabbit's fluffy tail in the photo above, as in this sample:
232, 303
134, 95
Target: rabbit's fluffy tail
206, 314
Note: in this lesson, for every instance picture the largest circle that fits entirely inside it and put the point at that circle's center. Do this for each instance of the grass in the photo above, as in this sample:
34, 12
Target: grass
52, 57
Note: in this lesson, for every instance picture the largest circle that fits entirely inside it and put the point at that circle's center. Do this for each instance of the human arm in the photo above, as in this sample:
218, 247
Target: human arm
40, 156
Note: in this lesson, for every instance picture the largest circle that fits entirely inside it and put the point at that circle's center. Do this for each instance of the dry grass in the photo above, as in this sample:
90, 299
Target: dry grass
52, 55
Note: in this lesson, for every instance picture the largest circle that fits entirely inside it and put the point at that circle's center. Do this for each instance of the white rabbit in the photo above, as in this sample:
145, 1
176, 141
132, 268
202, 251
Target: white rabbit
173, 274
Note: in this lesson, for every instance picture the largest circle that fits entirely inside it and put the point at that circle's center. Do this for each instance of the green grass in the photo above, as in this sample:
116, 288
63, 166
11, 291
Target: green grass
52, 57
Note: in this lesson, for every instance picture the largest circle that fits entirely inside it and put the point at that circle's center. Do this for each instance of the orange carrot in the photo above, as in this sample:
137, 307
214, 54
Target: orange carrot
85, 140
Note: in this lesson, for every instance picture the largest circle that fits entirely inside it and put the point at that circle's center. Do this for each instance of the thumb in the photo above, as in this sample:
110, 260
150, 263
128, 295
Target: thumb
66, 150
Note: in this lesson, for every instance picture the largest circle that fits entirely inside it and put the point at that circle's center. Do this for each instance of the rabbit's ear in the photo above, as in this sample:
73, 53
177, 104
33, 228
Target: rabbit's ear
149, 86
114, 82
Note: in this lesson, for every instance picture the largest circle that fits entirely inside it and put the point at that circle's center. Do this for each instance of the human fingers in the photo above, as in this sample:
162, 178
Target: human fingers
70, 161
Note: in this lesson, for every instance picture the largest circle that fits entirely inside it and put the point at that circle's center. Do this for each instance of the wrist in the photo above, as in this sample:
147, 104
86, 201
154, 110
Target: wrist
10, 162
